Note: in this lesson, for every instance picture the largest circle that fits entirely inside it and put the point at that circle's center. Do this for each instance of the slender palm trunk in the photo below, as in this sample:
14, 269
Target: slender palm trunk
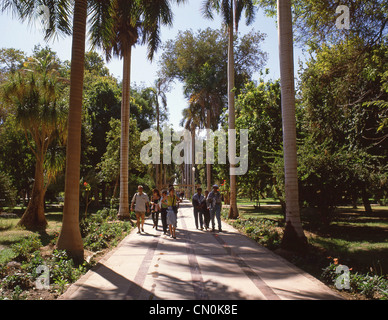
193, 159
124, 146
70, 237
208, 164
157, 166
293, 236
34, 218
233, 211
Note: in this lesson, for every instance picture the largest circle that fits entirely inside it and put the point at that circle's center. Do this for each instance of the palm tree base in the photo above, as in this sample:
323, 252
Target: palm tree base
70, 240
292, 240
33, 218
233, 212
32, 225
125, 218
76, 255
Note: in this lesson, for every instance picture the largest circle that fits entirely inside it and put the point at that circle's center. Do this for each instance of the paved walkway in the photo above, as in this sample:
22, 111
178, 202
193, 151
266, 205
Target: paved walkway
198, 265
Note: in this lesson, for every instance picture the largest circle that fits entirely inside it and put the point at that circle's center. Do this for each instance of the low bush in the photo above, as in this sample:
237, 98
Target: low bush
99, 231
26, 247
371, 286
263, 231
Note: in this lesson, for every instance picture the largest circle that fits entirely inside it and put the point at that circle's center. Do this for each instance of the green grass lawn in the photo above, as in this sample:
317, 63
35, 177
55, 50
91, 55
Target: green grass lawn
11, 233
357, 239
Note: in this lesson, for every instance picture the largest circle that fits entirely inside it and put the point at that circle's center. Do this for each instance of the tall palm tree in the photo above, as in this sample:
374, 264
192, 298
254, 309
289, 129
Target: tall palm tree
293, 235
116, 30
193, 118
210, 100
55, 15
70, 236
158, 99
231, 11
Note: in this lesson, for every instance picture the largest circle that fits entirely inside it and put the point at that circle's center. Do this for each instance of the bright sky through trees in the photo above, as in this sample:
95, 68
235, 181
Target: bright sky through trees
25, 37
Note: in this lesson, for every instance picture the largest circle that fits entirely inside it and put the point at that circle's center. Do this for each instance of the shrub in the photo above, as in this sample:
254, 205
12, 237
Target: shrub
26, 247
20, 279
99, 230
30, 266
371, 286
62, 267
7, 191
263, 231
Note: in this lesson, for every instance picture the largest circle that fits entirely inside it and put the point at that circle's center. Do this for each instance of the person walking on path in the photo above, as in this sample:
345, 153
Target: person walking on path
140, 204
215, 204
172, 212
155, 207
205, 211
197, 201
163, 210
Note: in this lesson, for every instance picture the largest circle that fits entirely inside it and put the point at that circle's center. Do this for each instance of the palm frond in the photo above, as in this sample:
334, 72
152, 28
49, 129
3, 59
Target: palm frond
208, 7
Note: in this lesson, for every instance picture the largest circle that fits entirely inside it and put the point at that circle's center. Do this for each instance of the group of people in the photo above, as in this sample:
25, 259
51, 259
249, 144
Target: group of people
207, 207
165, 203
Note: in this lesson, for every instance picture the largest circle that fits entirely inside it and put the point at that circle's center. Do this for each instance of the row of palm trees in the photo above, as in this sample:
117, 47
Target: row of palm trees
115, 27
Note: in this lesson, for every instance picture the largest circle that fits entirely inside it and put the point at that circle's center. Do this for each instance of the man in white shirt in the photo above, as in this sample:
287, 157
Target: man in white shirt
140, 204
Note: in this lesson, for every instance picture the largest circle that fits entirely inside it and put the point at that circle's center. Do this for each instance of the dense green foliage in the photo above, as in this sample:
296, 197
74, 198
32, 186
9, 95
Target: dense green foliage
19, 273
100, 131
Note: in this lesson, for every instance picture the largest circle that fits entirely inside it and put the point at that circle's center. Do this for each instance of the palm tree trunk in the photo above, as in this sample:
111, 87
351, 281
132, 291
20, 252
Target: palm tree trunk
208, 164
34, 218
293, 235
70, 237
124, 147
193, 159
233, 211
157, 166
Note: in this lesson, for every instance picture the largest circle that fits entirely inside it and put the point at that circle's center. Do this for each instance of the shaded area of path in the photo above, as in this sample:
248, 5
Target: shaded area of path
198, 265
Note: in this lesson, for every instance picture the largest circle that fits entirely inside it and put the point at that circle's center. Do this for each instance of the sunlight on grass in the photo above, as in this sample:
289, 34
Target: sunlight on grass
353, 235
10, 233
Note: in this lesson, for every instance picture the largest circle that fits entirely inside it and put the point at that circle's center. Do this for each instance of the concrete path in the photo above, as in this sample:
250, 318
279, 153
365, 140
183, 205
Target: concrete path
198, 265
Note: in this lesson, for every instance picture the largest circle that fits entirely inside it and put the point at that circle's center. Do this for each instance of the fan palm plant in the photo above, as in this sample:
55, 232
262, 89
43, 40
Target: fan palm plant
35, 95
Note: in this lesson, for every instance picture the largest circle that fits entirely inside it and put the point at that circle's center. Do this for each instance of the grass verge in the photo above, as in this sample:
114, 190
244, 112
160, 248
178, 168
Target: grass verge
24, 255
352, 238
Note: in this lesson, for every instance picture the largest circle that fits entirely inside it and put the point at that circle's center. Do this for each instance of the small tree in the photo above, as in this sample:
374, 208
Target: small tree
35, 95
7, 192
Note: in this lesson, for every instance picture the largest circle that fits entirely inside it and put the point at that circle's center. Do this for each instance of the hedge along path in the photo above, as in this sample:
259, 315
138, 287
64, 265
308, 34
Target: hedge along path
198, 265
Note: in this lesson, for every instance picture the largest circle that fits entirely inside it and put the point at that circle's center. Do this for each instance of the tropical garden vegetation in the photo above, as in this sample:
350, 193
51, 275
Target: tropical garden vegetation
318, 147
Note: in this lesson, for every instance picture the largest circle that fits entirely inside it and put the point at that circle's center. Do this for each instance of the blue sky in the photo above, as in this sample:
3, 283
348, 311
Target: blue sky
188, 16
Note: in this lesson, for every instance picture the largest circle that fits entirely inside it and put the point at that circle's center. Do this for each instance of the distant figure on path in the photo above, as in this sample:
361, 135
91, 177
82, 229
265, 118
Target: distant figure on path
140, 204
197, 200
172, 211
205, 211
155, 207
214, 202
163, 210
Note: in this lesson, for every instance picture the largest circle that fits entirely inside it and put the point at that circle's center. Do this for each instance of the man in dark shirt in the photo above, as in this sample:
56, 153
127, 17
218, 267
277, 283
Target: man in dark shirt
197, 200
215, 203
